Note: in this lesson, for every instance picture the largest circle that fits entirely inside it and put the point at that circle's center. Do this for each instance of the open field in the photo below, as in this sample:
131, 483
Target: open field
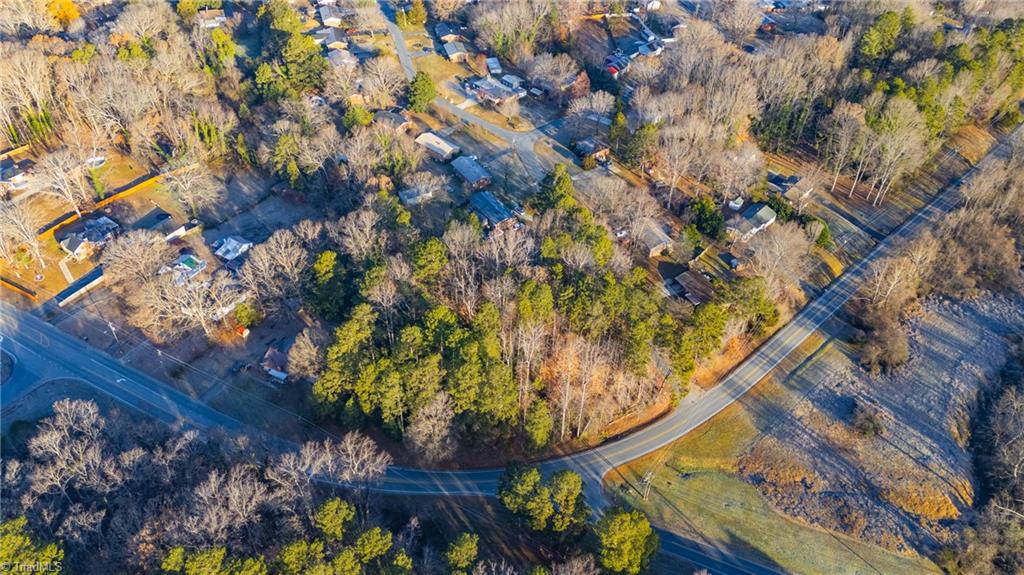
782, 476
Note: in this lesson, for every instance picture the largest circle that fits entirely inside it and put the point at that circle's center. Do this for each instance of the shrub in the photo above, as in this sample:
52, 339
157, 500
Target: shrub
866, 421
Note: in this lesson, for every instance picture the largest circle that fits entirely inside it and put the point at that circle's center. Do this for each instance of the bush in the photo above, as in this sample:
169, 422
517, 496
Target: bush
589, 163
866, 421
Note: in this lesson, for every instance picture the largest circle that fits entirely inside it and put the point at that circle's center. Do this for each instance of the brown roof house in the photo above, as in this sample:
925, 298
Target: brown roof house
654, 239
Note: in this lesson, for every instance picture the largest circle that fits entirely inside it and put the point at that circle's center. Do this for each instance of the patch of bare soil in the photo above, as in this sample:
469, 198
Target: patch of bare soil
907, 487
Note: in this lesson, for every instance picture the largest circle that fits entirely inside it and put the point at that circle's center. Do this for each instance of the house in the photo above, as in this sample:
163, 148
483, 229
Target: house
14, 175
493, 66
211, 18
593, 148
779, 183
414, 196
492, 213
736, 204
330, 38
172, 230
512, 81
275, 363
231, 247
76, 246
97, 232
399, 122
654, 239
491, 91
186, 267
438, 147
472, 172
342, 59
754, 219
697, 288
798, 195
332, 16
446, 33
456, 51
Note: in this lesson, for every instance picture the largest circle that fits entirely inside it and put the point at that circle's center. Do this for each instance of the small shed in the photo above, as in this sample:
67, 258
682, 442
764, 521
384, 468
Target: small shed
493, 66
414, 196
472, 172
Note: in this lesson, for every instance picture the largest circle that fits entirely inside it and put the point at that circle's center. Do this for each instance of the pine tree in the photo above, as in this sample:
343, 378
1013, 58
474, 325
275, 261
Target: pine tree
421, 92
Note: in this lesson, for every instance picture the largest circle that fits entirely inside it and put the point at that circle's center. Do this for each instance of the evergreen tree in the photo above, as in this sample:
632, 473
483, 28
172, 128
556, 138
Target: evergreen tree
421, 92
537, 425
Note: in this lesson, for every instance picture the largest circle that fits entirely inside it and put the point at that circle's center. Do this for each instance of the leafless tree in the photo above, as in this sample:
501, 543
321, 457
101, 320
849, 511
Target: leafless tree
509, 109
226, 504
19, 228
585, 114
555, 72
383, 79
492, 567
445, 9
518, 22
778, 255
1005, 432
321, 149
194, 186
508, 250
306, 357
360, 155
461, 279
62, 174
133, 259
901, 145
17, 16
738, 169
430, 432
737, 19
582, 565
358, 233
170, 307
844, 131
273, 268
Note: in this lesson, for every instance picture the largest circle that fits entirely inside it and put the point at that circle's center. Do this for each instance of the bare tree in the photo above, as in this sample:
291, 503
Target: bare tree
62, 174
171, 307
383, 79
307, 356
778, 255
445, 9
133, 259
19, 228
582, 565
273, 268
737, 19
430, 433
226, 504
359, 235
193, 185
844, 130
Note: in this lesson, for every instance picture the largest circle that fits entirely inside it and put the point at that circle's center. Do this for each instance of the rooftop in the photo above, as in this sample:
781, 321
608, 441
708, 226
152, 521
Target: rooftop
653, 237
437, 145
489, 209
455, 48
470, 169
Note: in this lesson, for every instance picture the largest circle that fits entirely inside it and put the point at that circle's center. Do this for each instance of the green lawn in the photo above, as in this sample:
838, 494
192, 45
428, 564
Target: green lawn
719, 508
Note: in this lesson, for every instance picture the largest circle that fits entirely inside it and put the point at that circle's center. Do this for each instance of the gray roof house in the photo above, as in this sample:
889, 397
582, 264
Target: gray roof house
445, 33
472, 172
754, 219
438, 147
491, 211
331, 16
456, 51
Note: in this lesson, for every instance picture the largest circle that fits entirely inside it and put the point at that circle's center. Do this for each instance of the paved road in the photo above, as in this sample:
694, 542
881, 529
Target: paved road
522, 142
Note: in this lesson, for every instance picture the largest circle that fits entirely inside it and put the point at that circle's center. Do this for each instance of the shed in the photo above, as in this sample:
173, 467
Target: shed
493, 66
438, 147
512, 81
472, 172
